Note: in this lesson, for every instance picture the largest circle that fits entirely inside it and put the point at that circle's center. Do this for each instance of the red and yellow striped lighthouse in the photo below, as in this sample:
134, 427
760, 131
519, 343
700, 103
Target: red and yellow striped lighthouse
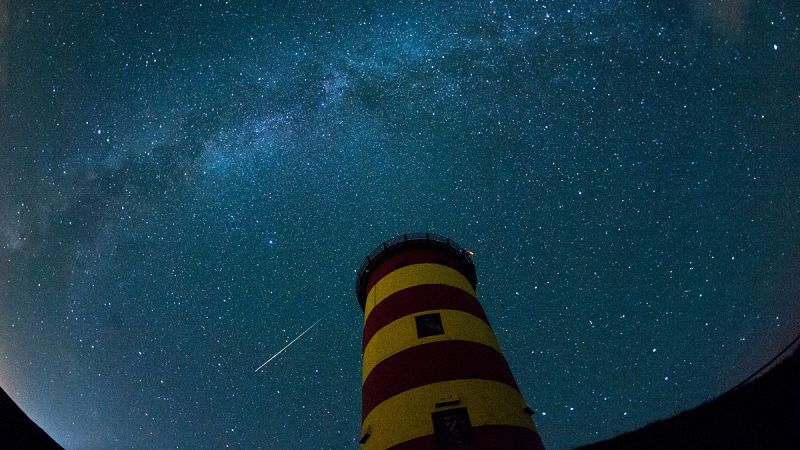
433, 373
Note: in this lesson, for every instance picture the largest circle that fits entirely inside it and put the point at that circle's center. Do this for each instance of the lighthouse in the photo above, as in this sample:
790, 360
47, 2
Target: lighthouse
433, 373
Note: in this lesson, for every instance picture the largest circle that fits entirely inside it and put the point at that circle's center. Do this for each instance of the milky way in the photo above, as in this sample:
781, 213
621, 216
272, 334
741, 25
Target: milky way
185, 186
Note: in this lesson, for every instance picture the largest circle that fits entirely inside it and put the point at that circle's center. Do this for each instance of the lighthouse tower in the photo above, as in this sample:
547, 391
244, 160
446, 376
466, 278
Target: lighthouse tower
434, 375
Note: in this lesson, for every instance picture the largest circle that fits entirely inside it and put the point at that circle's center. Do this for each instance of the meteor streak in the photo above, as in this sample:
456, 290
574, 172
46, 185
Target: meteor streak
289, 344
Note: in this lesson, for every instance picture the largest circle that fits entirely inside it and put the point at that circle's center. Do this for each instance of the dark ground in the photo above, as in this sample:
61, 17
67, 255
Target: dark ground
17, 431
764, 414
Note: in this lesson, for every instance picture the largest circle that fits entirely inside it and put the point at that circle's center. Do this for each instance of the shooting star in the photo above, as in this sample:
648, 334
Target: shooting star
290, 343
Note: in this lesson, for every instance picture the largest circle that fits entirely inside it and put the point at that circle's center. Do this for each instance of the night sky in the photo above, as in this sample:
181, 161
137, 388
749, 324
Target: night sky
185, 187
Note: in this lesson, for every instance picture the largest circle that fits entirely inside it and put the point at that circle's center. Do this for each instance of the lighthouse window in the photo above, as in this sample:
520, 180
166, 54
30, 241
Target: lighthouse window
429, 325
451, 427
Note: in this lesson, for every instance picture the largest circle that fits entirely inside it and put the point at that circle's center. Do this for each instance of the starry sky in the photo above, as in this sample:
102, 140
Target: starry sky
186, 186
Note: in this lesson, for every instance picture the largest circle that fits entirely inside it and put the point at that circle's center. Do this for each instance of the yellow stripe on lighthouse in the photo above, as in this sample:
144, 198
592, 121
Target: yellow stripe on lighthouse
415, 275
482, 397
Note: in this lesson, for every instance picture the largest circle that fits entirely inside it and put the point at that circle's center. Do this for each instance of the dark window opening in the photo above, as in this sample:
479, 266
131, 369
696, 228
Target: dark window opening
452, 427
429, 325
365, 436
